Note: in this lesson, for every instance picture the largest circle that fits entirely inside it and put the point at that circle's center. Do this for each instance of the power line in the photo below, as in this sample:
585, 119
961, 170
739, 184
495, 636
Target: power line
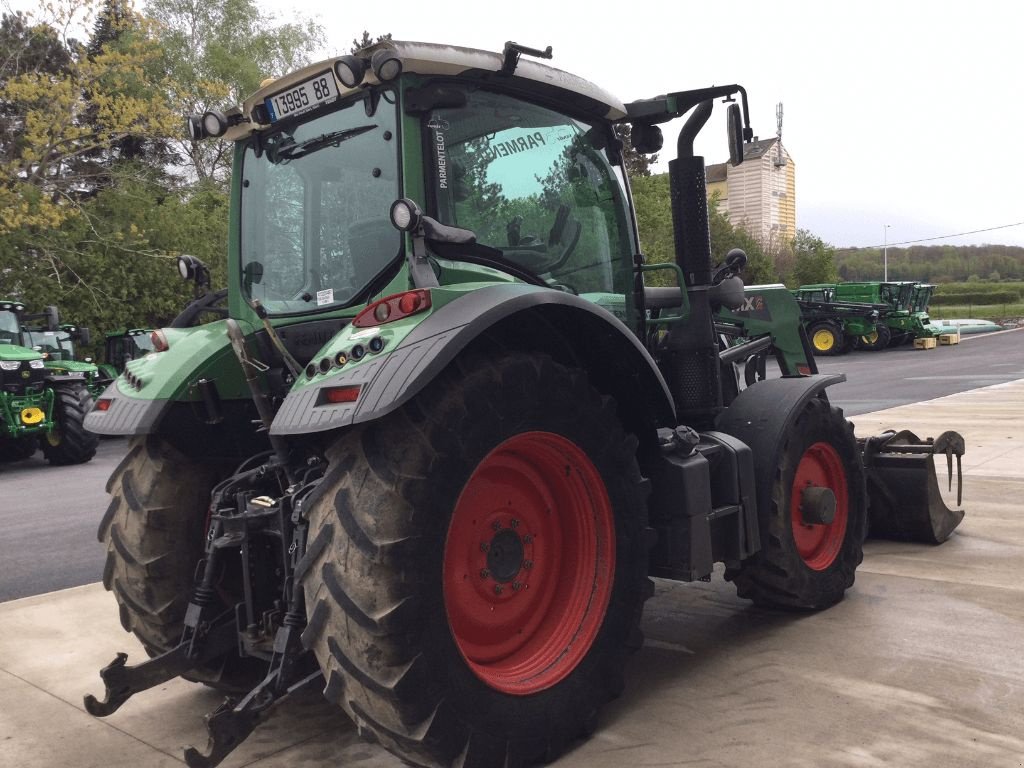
945, 237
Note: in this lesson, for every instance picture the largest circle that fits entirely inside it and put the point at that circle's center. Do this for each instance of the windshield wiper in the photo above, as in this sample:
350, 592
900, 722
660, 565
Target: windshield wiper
289, 150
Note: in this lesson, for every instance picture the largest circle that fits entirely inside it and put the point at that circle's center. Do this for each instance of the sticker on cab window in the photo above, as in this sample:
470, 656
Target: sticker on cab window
325, 296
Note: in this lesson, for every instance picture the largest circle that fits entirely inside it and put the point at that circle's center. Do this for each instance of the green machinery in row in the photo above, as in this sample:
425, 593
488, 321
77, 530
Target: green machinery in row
865, 315
40, 406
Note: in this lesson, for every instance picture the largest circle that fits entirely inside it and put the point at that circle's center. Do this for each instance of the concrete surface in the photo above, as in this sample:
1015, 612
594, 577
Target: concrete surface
921, 665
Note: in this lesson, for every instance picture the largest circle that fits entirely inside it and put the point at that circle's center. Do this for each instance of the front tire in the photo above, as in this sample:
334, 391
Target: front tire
477, 566
878, 340
17, 448
69, 442
805, 563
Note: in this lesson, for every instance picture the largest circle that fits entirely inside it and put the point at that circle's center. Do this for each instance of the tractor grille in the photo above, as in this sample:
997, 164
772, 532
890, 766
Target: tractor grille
18, 383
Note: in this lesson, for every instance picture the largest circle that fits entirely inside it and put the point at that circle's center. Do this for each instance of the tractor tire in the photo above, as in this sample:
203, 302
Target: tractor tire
899, 338
826, 338
17, 448
805, 565
154, 532
69, 442
456, 620
878, 340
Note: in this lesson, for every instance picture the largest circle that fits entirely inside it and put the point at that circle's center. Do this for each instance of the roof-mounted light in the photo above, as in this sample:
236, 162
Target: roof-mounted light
215, 123
386, 65
405, 214
351, 70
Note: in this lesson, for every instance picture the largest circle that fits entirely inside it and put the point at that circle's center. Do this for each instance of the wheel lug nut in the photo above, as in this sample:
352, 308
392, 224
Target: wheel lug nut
516, 586
497, 589
527, 539
528, 564
484, 546
484, 573
515, 523
496, 525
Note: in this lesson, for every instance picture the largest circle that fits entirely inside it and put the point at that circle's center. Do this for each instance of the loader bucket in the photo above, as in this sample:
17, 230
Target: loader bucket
903, 492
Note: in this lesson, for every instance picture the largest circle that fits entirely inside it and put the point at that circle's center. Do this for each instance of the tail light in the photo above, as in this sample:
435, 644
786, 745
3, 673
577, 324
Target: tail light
392, 308
159, 341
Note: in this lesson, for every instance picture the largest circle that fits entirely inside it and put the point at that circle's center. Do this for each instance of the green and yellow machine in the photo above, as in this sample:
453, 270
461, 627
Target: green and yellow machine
446, 433
60, 353
902, 308
123, 345
40, 406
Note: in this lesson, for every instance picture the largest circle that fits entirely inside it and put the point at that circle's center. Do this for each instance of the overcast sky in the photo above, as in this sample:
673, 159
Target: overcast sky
904, 113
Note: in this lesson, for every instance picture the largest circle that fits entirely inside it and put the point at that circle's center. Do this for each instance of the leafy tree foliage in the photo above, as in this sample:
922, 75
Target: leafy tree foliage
933, 263
90, 219
217, 54
815, 260
654, 220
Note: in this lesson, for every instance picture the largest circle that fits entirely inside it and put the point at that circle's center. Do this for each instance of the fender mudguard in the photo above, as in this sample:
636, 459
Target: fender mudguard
761, 414
389, 382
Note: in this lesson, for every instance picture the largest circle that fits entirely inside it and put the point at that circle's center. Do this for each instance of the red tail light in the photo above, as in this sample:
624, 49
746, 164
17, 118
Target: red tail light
392, 308
334, 395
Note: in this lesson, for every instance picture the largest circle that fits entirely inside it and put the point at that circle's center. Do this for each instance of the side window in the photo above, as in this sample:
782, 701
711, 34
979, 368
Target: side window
534, 184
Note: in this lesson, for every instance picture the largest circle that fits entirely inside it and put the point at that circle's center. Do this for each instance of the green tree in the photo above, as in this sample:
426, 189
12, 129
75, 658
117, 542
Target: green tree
217, 54
815, 260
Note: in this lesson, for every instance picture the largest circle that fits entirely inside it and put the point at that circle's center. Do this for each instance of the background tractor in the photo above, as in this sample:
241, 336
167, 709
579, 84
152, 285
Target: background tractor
902, 307
39, 406
445, 435
60, 353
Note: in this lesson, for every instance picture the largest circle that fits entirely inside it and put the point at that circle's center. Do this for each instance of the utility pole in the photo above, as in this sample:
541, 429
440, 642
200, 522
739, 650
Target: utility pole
885, 253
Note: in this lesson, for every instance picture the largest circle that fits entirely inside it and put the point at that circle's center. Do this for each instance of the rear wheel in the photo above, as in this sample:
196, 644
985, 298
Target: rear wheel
154, 531
827, 339
17, 448
69, 442
813, 528
477, 566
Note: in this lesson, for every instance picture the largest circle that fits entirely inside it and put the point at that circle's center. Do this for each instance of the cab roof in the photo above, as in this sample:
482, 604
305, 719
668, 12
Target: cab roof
441, 60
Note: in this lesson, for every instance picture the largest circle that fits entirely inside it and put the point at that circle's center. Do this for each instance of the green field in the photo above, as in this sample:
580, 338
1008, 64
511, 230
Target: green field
1003, 306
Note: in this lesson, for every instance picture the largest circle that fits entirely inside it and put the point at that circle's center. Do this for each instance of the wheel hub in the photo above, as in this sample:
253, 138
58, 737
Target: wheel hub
505, 555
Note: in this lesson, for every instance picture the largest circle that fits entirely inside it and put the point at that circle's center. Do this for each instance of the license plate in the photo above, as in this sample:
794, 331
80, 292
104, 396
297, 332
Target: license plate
303, 97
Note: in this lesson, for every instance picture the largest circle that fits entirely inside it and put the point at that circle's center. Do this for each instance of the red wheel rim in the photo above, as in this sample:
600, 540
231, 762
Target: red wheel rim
529, 562
819, 544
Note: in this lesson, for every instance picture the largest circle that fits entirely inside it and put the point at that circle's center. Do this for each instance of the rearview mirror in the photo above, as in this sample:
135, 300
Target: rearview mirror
84, 337
735, 128
52, 319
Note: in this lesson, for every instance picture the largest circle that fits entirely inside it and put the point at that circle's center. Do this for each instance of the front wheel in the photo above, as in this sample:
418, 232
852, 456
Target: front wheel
17, 448
477, 566
69, 442
813, 528
876, 340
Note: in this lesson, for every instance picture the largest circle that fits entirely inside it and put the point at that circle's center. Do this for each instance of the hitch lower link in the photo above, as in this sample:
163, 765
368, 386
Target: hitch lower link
905, 501
205, 639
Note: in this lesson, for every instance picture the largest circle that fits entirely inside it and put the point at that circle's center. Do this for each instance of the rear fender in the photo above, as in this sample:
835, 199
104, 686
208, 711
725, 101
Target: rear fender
393, 379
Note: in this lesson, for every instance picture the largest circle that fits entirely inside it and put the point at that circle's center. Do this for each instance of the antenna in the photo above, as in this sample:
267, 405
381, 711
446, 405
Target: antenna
780, 160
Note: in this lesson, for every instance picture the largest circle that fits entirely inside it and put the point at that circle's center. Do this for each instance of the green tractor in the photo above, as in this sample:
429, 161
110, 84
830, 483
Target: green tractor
123, 345
59, 348
904, 318
834, 327
40, 405
445, 435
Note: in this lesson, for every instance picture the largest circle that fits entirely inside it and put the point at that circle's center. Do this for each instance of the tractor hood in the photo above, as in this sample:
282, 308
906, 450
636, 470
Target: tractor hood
15, 352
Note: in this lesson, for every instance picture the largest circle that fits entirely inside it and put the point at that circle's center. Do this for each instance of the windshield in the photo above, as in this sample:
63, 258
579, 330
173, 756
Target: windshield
316, 196
142, 344
8, 327
535, 184
56, 344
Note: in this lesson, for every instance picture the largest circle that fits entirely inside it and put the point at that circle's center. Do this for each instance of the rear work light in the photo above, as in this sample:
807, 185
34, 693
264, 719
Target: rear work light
392, 308
159, 341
